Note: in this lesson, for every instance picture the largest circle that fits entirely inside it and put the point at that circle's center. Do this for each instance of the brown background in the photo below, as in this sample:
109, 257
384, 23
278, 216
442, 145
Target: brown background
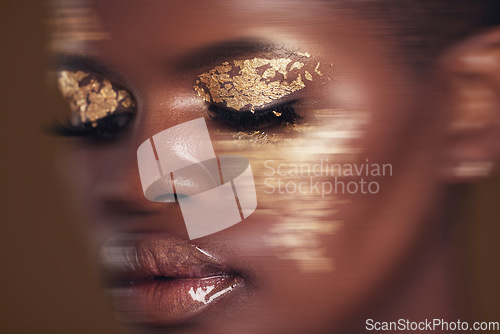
47, 283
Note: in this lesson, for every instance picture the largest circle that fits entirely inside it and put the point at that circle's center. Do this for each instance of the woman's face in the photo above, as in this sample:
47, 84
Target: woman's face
341, 160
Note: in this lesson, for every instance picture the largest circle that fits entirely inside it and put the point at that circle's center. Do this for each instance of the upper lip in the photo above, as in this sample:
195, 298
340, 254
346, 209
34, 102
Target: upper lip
132, 258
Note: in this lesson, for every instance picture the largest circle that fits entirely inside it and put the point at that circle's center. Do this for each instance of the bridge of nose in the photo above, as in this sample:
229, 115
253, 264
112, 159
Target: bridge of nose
186, 151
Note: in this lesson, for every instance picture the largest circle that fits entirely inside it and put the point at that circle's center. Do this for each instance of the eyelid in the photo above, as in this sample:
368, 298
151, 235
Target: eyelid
93, 97
254, 83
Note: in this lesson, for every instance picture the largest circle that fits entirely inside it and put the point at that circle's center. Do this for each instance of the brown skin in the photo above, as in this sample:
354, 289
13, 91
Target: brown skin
379, 240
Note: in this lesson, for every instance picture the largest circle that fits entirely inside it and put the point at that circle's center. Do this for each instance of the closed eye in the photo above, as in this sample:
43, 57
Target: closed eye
105, 128
99, 107
260, 119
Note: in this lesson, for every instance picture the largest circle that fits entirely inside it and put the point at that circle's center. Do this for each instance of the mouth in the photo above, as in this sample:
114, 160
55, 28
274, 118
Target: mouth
161, 280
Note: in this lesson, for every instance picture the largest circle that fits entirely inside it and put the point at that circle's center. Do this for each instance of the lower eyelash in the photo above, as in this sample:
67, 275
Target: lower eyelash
110, 126
105, 128
246, 120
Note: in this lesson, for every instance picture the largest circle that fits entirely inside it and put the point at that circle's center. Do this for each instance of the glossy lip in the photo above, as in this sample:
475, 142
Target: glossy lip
162, 280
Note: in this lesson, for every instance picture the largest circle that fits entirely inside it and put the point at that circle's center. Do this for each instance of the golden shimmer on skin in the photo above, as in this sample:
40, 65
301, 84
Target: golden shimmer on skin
251, 83
328, 134
299, 239
341, 127
92, 98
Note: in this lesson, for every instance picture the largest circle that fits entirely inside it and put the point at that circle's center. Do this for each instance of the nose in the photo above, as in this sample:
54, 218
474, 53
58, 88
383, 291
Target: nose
178, 162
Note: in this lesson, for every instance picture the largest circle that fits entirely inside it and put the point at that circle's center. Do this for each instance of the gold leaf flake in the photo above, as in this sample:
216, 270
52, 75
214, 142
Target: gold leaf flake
308, 76
250, 83
91, 100
316, 69
297, 65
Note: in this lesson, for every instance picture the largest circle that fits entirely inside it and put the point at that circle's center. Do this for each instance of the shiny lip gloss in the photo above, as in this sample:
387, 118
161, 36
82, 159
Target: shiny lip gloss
158, 279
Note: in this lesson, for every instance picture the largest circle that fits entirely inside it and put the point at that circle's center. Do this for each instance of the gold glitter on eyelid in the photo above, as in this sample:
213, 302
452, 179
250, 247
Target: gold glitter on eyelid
251, 83
297, 65
316, 69
308, 76
277, 114
91, 98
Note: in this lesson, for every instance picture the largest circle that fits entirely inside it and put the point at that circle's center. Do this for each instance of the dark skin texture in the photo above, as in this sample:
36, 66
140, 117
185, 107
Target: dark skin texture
382, 251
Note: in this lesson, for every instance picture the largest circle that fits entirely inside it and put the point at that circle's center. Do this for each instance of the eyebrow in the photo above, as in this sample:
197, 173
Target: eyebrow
82, 62
199, 58
219, 52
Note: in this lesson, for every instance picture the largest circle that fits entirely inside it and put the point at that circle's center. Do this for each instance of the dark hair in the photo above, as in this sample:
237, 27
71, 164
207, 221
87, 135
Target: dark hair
424, 28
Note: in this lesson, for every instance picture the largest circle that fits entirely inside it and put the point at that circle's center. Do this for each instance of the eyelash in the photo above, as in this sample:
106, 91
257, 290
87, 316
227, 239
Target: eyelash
105, 128
110, 126
246, 120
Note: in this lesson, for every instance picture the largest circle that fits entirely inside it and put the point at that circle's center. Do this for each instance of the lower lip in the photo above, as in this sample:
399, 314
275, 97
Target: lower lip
171, 301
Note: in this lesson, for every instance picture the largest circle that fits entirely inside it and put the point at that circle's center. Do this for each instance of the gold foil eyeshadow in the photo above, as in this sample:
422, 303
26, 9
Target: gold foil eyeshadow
251, 83
92, 98
308, 76
297, 65
316, 69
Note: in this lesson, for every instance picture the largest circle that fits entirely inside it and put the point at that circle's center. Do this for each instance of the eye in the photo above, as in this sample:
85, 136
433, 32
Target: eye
260, 119
105, 128
99, 108
256, 93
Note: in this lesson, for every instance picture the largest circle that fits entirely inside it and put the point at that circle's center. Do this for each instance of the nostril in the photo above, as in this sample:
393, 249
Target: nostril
185, 182
165, 198
121, 200
161, 190
197, 178
179, 160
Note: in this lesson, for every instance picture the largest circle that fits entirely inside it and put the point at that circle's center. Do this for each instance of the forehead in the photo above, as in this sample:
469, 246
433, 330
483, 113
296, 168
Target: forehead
155, 27
144, 41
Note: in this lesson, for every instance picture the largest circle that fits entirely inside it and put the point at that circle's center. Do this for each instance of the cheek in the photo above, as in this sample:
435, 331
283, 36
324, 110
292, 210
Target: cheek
87, 165
92, 171
78, 169
292, 237
338, 202
311, 178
